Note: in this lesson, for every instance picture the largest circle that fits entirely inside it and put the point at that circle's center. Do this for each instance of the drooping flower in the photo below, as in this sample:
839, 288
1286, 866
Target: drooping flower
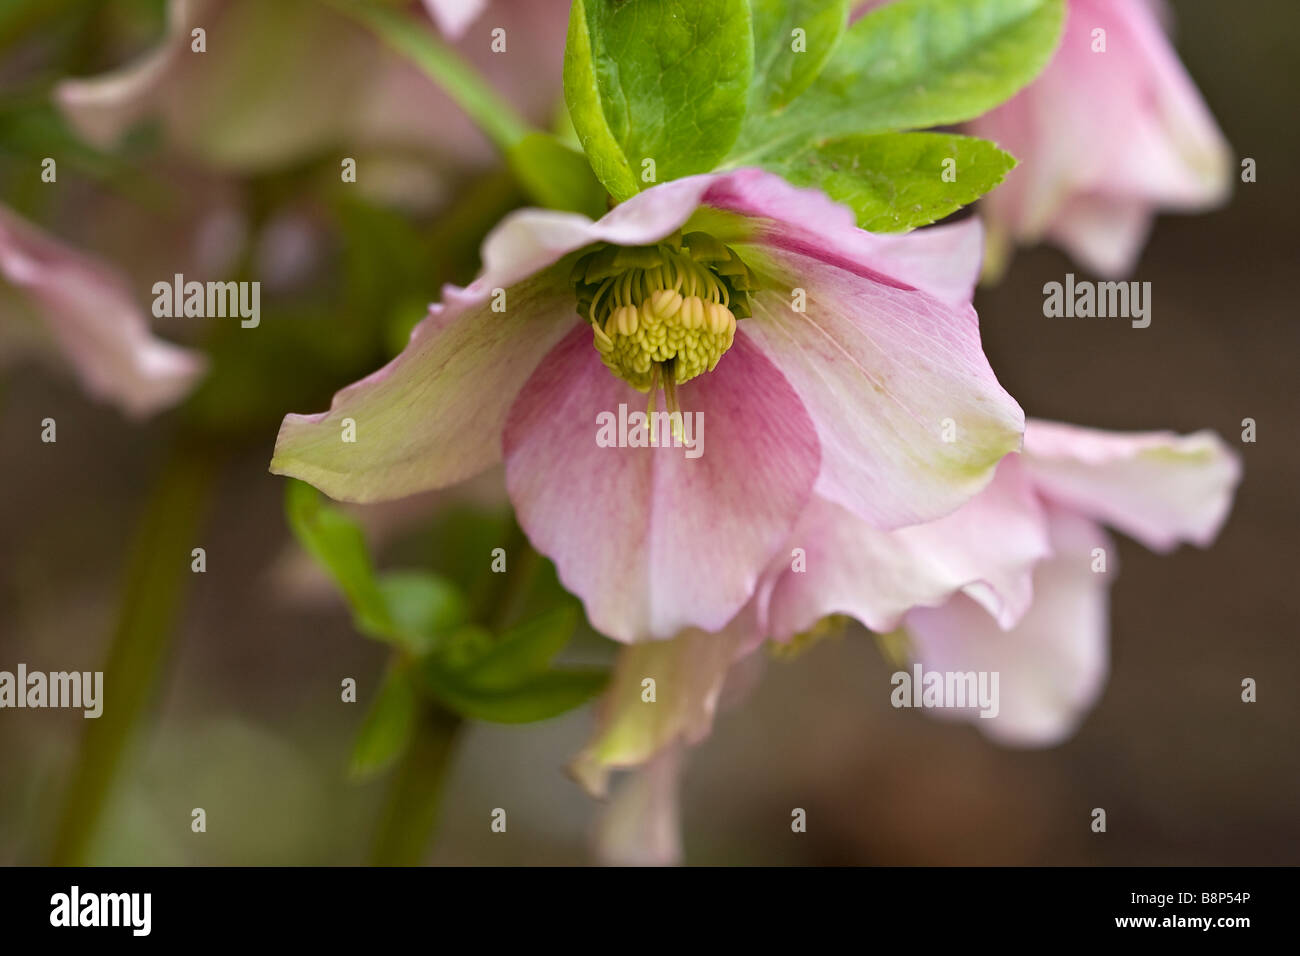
335, 86
1010, 583
88, 314
818, 355
1113, 131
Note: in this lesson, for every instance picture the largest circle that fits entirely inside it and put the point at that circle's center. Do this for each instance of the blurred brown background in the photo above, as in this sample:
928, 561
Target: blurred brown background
251, 727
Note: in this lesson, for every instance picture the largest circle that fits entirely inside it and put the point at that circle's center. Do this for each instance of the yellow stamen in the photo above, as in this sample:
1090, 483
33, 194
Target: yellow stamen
664, 313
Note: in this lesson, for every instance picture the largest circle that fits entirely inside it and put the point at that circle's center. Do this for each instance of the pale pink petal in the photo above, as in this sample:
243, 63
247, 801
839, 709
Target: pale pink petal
454, 16
1103, 234
433, 415
641, 824
1052, 665
689, 673
986, 549
655, 542
888, 375
96, 321
1158, 487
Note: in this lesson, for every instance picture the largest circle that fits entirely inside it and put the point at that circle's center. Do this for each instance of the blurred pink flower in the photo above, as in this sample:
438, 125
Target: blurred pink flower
336, 87
93, 319
1105, 141
847, 397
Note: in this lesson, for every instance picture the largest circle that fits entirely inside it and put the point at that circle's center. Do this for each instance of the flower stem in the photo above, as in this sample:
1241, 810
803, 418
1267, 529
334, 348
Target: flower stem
157, 577
415, 794
443, 65
415, 791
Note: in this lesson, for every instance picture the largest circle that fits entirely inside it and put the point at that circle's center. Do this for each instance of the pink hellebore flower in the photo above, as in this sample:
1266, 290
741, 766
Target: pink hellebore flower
90, 313
1009, 583
818, 357
285, 79
1105, 140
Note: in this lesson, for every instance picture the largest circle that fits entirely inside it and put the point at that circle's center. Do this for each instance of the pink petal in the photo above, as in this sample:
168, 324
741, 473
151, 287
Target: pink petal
1158, 487
1103, 234
882, 370
689, 673
641, 824
454, 16
1123, 132
986, 549
654, 542
1052, 665
89, 309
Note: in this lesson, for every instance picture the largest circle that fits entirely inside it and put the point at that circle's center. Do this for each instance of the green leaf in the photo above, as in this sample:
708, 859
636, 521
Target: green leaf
658, 80
782, 72
523, 652
411, 609
422, 607
335, 540
387, 728
556, 175
913, 64
549, 695
895, 181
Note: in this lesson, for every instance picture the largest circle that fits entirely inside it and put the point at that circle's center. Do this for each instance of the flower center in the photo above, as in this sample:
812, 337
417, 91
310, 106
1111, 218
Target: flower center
663, 313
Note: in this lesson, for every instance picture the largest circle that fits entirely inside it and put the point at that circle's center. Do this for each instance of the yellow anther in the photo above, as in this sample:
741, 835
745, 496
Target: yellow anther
663, 313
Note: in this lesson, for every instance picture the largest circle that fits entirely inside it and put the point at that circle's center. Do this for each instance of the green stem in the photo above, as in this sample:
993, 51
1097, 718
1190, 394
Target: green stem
410, 814
415, 792
440, 63
157, 576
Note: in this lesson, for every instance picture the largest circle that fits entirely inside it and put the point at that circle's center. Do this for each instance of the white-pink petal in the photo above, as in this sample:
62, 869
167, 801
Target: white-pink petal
1158, 487
987, 549
1052, 665
95, 320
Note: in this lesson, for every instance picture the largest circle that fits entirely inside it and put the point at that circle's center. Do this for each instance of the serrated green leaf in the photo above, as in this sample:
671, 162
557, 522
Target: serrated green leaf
556, 175
914, 64
548, 695
387, 728
336, 541
656, 80
785, 63
894, 182
523, 652
422, 606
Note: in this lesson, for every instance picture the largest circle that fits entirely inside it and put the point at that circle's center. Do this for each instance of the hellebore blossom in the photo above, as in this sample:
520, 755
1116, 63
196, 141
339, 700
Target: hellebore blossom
1014, 582
92, 318
335, 85
824, 360
1111, 132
